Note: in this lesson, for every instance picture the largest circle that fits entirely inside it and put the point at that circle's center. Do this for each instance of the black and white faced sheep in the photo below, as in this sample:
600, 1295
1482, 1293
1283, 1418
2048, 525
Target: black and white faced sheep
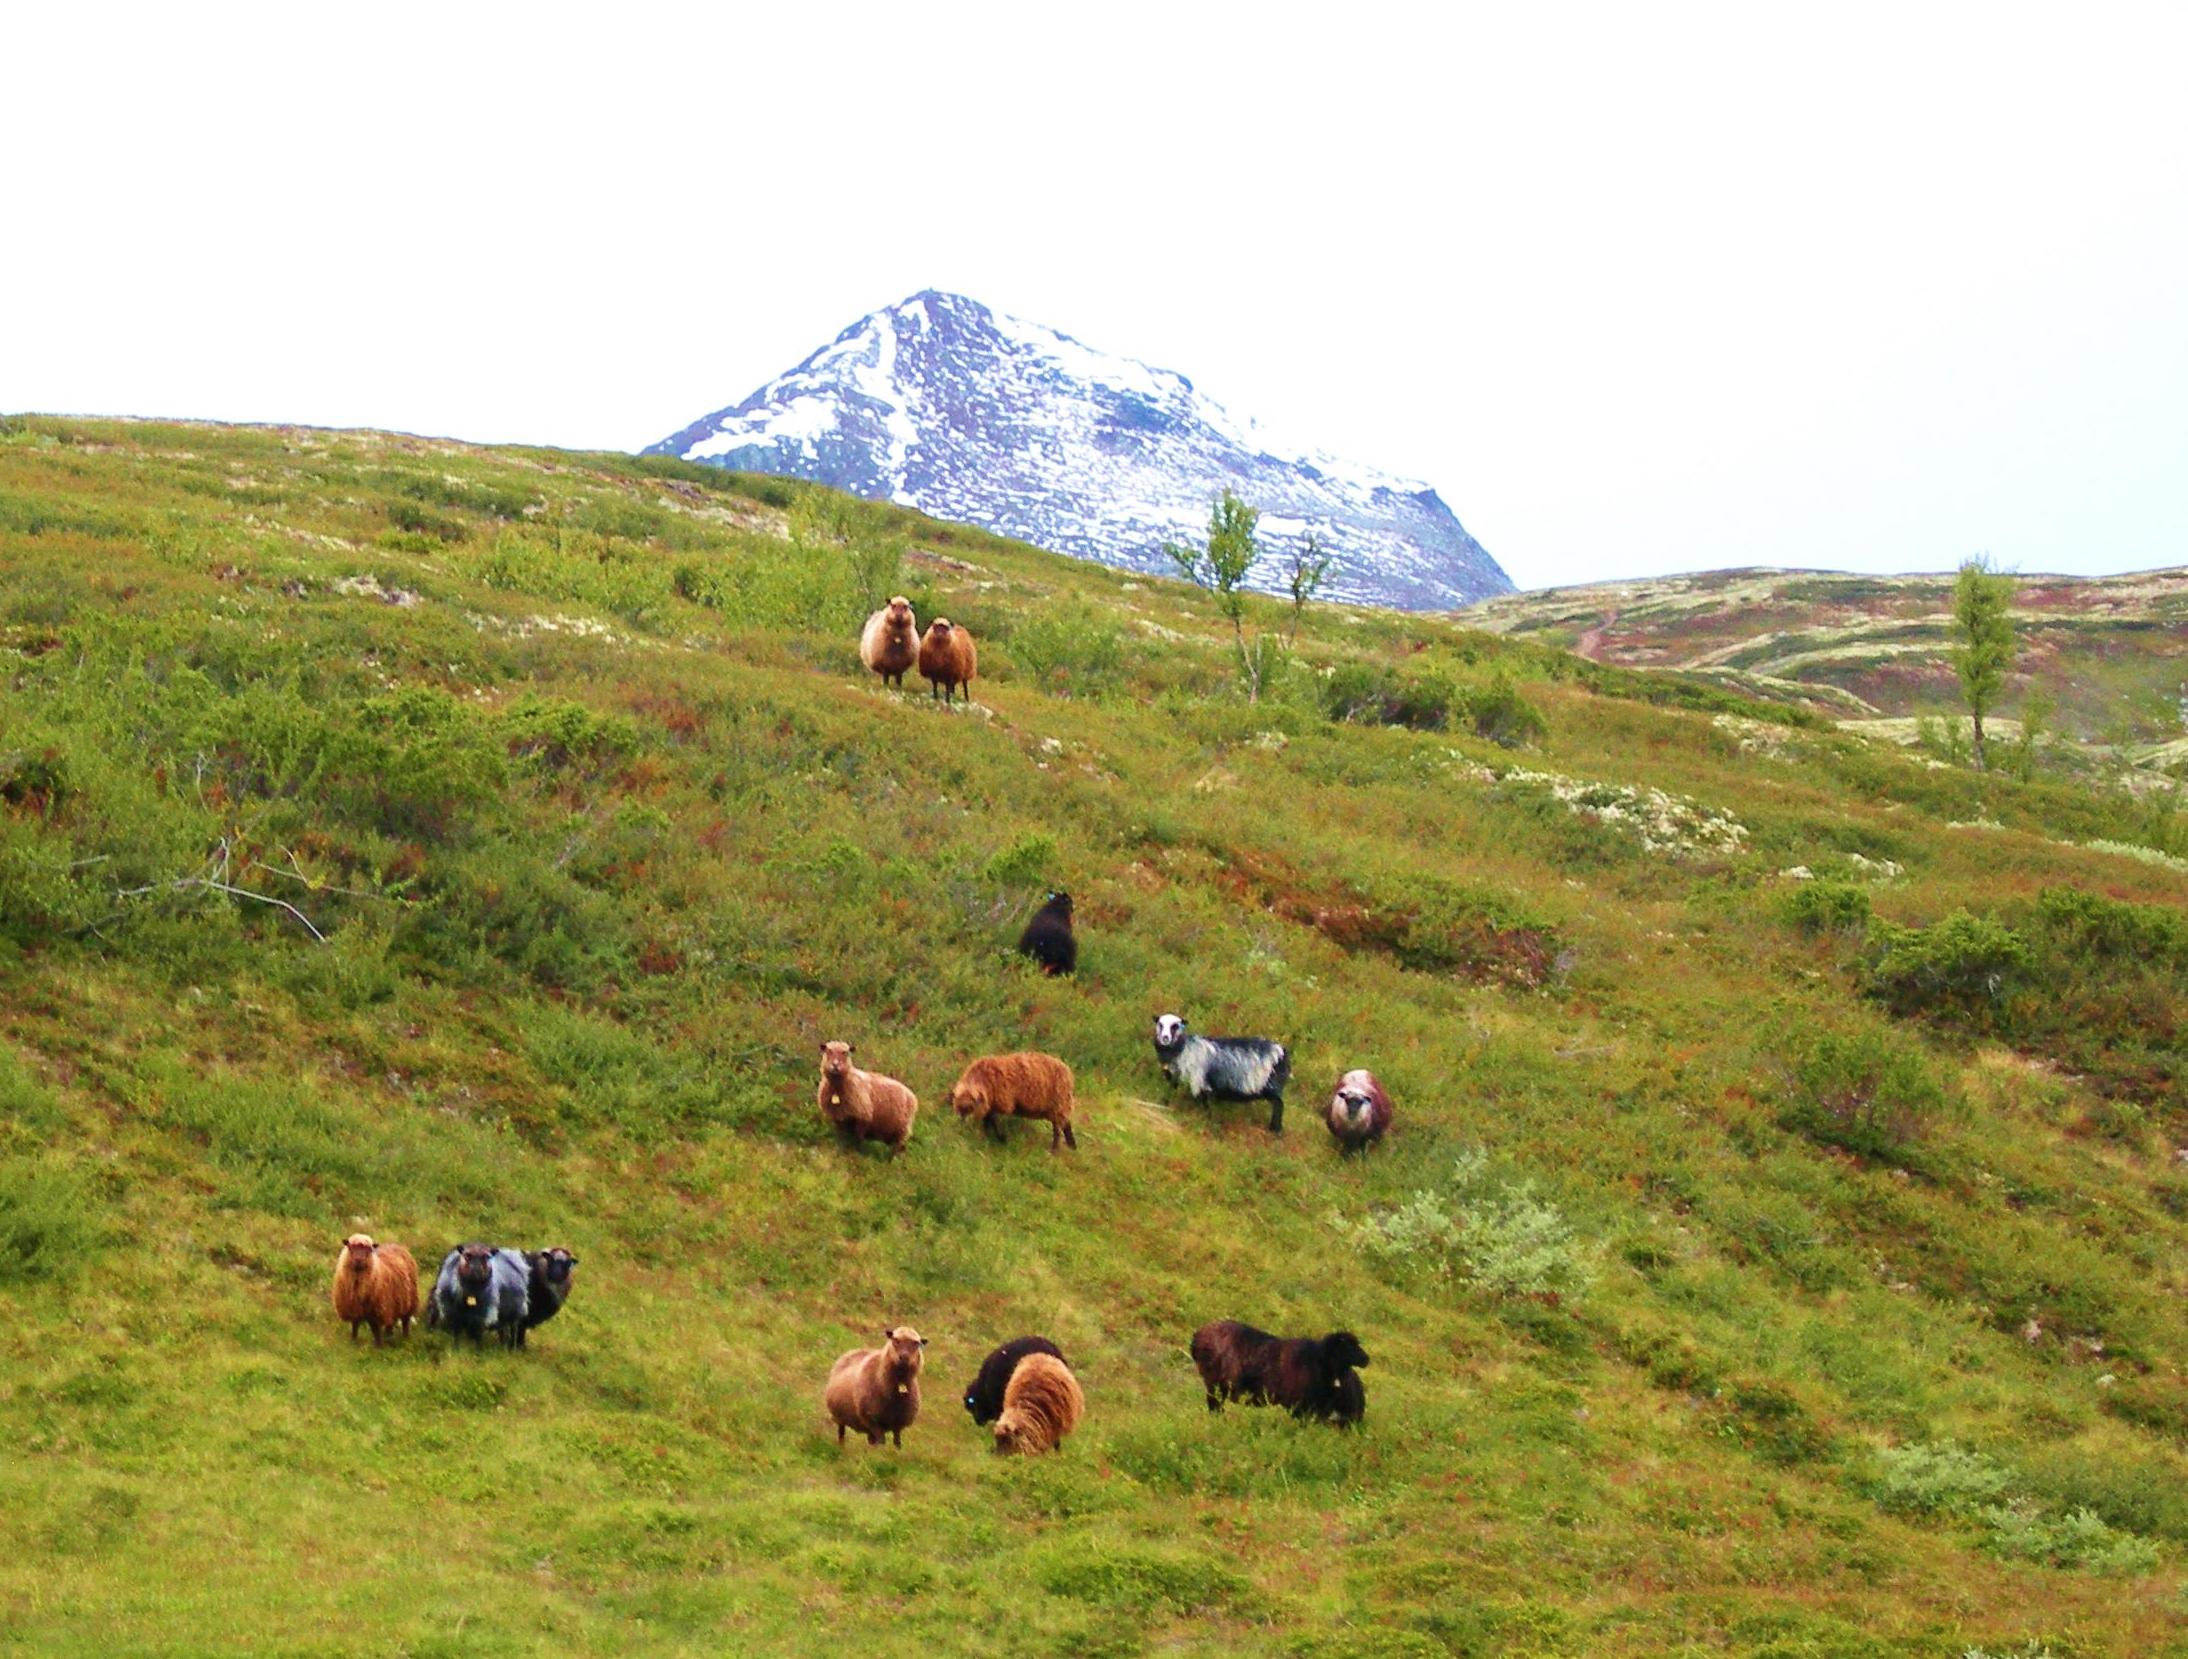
984, 1394
1224, 1068
481, 1289
1359, 1111
1313, 1377
1048, 939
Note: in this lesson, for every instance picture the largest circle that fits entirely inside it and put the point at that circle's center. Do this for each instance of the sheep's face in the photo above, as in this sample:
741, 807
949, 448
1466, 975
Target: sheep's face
968, 1098
357, 1251
907, 1350
939, 630
900, 615
1169, 1032
1009, 1435
835, 1061
1342, 1350
557, 1265
475, 1272
1059, 904
1353, 1105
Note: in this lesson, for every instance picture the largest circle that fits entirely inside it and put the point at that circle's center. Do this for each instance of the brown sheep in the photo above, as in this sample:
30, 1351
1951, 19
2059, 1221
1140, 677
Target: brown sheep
864, 1105
1020, 1085
947, 659
1307, 1376
889, 644
376, 1285
1041, 1405
876, 1390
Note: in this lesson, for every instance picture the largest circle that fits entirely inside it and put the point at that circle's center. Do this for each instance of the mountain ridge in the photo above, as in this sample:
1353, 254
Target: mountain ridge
943, 404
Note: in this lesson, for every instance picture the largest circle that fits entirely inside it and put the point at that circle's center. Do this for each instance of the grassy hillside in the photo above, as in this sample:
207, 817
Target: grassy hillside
2110, 653
1761, 1263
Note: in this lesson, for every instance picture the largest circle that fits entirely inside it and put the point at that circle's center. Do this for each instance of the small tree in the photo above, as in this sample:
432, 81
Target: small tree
1983, 626
2036, 710
1222, 567
1310, 565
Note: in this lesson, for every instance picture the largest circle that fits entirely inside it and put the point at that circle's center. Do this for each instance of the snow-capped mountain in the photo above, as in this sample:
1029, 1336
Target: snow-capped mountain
944, 405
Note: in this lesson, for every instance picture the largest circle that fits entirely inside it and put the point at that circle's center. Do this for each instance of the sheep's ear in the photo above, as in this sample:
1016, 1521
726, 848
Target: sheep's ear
923, 1342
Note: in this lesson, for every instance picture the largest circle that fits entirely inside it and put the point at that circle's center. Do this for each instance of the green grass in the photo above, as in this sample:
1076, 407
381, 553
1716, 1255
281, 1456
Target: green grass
1726, 1292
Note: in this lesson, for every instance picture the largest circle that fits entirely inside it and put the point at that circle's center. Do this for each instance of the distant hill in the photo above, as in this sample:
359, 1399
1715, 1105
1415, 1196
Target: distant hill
1778, 1248
2112, 651
941, 404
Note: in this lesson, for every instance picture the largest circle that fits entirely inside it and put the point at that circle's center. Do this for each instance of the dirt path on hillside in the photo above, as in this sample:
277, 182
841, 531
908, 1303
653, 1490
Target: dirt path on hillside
1591, 642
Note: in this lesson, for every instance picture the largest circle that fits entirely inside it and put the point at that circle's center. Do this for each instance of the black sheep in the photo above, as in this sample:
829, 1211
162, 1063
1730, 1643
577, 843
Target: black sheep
984, 1394
553, 1272
1308, 1376
1048, 938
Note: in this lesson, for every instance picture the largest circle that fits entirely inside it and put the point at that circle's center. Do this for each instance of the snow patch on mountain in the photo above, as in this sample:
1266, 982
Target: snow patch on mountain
941, 404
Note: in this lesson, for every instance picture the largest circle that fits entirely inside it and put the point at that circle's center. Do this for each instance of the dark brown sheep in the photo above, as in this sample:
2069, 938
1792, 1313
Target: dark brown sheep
889, 643
376, 1285
1041, 1405
876, 1390
947, 659
1048, 938
864, 1105
1307, 1376
1359, 1111
1022, 1085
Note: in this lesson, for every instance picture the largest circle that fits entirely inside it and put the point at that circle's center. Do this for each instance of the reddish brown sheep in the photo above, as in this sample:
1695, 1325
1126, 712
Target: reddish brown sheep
1020, 1085
376, 1285
947, 659
876, 1390
864, 1105
1041, 1405
889, 644
1359, 1111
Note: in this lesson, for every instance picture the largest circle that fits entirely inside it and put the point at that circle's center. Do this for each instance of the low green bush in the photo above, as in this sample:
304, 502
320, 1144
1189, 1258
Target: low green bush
1827, 907
1965, 966
1866, 1090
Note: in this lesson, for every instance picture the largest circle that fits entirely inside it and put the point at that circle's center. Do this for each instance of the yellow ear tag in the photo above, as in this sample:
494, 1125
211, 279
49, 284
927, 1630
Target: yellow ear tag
903, 1388
470, 1301
835, 1100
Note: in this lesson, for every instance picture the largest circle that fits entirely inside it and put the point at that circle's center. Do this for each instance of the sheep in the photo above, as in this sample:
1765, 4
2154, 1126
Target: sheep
864, 1105
479, 1289
552, 1274
1359, 1111
376, 1285
1309, 1377
984, 1394
947, 659
1225, 1068
1041, 1406
889, 644
1023, 1085
876, 1390
1048, 939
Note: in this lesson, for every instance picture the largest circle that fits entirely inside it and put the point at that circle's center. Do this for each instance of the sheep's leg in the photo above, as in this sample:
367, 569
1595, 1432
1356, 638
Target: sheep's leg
839, 1434
375, 1336
1055, 1135
1276, 1114
1070, 1139
1215, 1400
353, 1324
994, 1129
898, 1437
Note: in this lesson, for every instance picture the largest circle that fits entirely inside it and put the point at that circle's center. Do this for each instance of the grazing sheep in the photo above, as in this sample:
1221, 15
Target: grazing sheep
876, 1390
376, 1285
1022, 1085
1225, 1068
1041, 1406
984, 1394
889, 644
481, 1289
1309, 1377
1359, 1111
1048, 939
553, 1272
947, 659
864, 1105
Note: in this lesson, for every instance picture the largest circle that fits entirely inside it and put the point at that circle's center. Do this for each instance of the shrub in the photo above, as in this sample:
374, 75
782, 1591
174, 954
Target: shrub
2112, 929
2079, 1538
1484, 1231
1936, 1479
1963, 965
1827, 907
1373, 694
1867, 1091
1068, 650
1499, 714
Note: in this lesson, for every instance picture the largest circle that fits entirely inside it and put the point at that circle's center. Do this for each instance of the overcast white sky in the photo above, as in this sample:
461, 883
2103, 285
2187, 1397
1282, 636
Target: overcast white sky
1638, 288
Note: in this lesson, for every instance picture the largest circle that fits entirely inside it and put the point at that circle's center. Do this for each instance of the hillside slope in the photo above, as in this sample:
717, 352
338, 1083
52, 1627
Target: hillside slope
2111, 652
1798, 1271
